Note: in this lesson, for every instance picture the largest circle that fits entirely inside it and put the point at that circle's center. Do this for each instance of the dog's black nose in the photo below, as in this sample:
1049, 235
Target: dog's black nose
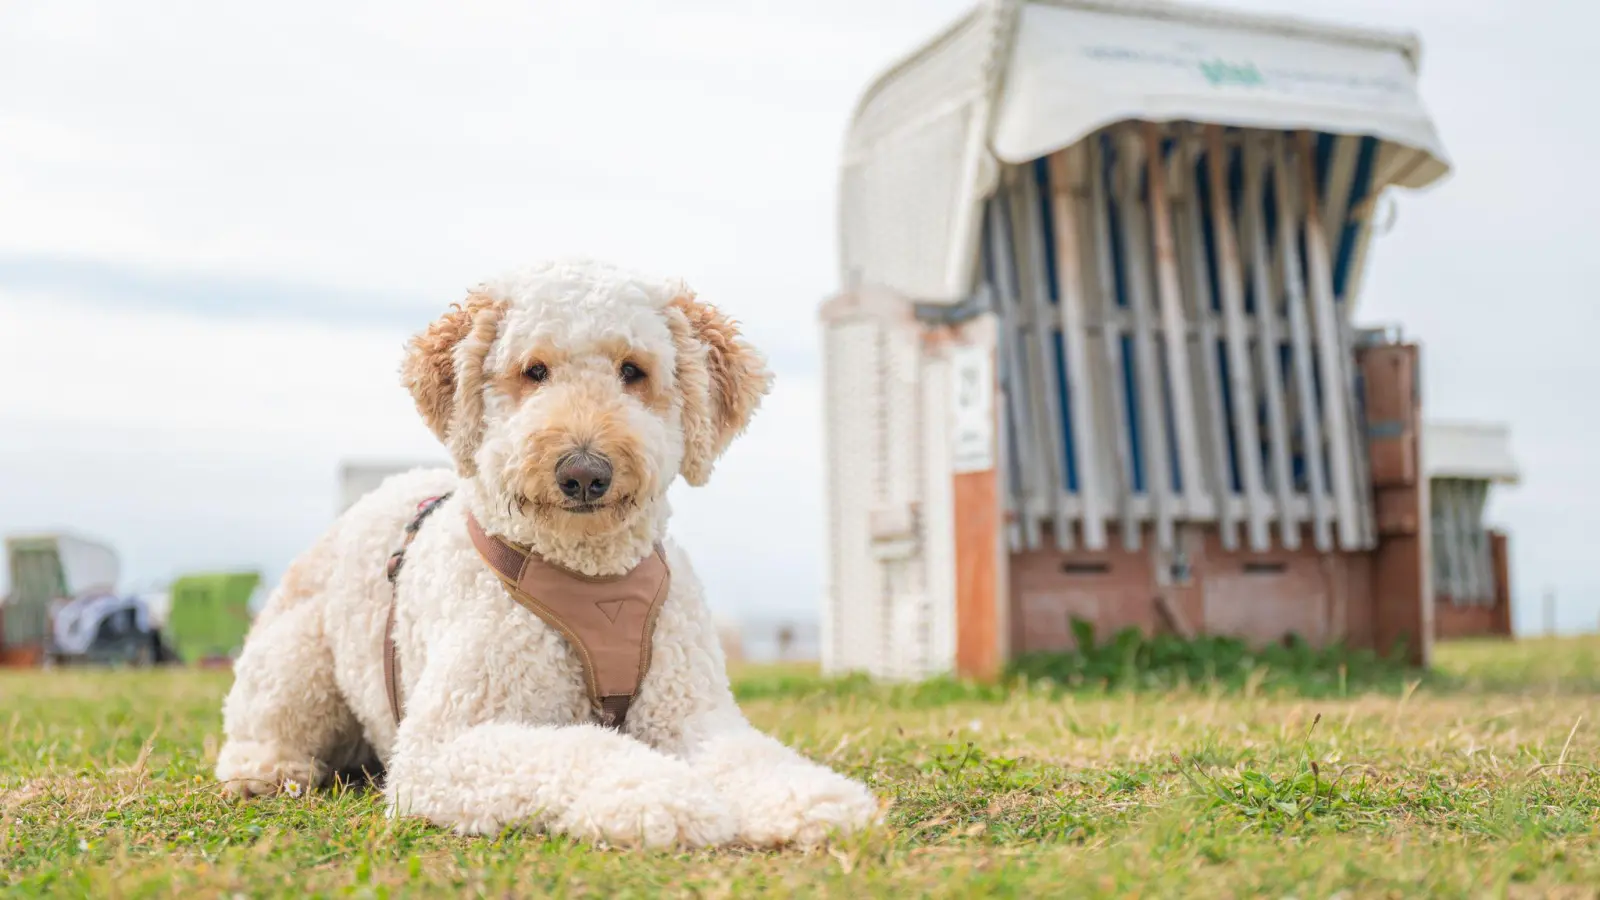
584, 476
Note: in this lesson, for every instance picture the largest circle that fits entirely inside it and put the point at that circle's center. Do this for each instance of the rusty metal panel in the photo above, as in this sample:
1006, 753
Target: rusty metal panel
1391, 401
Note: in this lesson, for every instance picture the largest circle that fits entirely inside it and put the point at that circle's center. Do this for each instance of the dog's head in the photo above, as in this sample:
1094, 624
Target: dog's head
575, 392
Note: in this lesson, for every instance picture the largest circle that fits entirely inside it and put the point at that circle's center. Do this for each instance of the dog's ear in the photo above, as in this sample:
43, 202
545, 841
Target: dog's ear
720, 377
443, 370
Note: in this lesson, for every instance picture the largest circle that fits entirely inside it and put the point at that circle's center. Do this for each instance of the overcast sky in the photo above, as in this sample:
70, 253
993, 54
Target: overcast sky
218, 224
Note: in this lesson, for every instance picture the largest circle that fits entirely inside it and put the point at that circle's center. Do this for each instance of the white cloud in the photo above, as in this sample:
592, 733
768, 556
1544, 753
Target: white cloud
268, 383
425, 146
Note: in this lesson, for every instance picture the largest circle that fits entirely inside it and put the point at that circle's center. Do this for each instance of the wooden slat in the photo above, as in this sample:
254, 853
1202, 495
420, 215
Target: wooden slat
1445, 524
1283, 168
1099, 323
1016, 394
1470, 520
1006, 484
1480, 535
1469, 515
1339, 195
1366, 215
1065, 168
1197, 288
1336, 192
1004, 440
1154, 454
1111, 338
1336, 374
1173, 325
1442, 526
1035, 491
1476, 588
1049, 432
1009, 483
1439, 537
1261, 281
1230, 282
1461, 561
1366, 502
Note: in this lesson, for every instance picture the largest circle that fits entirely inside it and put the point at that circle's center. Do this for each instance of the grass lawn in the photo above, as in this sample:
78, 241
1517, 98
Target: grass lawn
1483, 780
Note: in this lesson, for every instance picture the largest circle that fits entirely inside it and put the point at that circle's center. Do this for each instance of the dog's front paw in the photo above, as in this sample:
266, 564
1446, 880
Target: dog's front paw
803, 806
655, 810
254, 769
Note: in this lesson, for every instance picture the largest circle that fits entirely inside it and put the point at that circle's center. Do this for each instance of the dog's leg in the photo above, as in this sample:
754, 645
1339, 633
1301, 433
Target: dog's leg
778, 796
285, 724
687, 708
458, 767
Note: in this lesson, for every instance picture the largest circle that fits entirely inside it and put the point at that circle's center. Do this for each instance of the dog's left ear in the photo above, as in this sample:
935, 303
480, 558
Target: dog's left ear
721, 378
443, 370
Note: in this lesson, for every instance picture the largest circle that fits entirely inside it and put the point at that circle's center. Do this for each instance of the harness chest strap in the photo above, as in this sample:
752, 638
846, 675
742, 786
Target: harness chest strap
608, 621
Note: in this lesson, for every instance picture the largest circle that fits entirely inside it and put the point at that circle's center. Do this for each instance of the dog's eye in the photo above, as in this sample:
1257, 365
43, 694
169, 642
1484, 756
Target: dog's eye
536, 373
631, 374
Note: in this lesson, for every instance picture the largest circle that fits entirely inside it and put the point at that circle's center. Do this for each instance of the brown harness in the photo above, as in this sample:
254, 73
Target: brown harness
609, 621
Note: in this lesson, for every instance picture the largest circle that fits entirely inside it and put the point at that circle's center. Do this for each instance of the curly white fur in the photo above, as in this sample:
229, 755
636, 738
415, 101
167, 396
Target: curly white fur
496, 727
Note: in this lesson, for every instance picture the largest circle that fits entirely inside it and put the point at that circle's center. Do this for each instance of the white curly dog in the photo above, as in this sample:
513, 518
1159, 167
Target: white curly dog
559, 359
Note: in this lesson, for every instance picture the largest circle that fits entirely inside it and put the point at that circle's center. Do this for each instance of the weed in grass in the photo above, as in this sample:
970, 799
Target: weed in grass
958, 791
1289, 801
1131, 660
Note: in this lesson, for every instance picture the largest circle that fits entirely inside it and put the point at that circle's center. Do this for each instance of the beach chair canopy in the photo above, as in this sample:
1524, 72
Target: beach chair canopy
1014, 81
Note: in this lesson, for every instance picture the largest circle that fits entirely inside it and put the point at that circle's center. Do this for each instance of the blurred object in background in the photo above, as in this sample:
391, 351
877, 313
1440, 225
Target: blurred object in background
1096, 352
1471, 569
63, 606
779, 638
357, 478
104, 628
47, 571
209, 615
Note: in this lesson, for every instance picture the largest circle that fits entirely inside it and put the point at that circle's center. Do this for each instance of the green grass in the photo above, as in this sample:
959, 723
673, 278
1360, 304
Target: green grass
1479, 780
